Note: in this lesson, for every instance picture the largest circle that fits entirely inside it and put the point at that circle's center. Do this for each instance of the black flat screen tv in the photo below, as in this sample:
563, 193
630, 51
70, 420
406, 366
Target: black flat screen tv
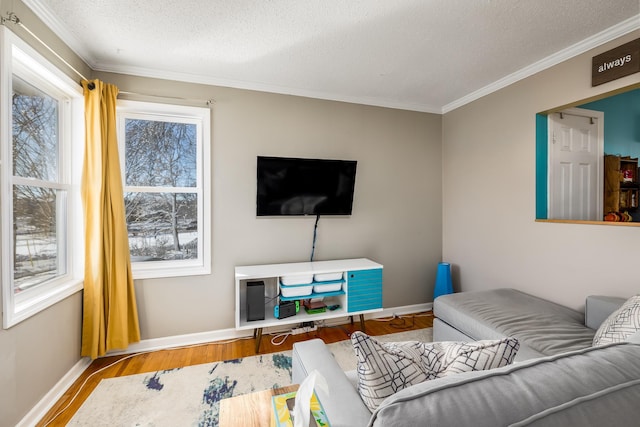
294, 186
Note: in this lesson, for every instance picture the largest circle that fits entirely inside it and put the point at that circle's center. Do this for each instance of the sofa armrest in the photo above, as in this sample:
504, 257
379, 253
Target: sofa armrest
546, 391
598, 308
343, 405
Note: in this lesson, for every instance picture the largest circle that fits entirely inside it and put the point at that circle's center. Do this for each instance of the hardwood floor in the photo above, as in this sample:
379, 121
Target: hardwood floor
116, 366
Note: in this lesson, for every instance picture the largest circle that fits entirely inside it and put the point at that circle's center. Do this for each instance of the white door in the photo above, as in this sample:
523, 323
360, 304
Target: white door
576, 150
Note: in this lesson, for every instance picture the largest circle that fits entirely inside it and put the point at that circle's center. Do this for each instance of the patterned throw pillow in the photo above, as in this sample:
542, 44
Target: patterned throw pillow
620, 324
386, 368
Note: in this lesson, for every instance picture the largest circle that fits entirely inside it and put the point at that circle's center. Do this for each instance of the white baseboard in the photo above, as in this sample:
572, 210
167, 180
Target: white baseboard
47, 402
230, 334
406, 309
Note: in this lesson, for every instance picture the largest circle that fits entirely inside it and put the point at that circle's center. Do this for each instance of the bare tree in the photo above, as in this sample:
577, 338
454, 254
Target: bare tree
34, 155
160, 154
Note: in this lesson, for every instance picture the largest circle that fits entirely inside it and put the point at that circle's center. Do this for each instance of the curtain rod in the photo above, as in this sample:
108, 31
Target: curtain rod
13, 18
206, 101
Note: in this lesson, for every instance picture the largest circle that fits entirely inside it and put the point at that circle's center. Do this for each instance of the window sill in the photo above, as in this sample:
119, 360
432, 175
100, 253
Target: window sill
575, 221
158, 272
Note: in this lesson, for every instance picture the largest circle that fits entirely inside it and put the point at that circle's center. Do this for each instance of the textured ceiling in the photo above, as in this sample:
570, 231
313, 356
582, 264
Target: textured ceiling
424, 55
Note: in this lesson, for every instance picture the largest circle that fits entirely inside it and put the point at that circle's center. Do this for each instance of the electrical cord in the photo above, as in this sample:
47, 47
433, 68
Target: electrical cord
268, 300
400, 322
87, 380
281, 338
395, 316
315, 234
284, 337
323, 324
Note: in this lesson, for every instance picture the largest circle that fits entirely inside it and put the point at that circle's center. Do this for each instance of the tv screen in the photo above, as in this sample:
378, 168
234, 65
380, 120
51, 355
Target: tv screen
291, 186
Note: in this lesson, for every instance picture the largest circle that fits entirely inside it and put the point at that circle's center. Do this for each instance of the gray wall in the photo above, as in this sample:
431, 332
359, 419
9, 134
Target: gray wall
38, 352
489, 230
396, 218
461, 185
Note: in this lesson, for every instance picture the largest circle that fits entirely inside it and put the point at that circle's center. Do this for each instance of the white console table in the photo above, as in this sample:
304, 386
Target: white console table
360, 293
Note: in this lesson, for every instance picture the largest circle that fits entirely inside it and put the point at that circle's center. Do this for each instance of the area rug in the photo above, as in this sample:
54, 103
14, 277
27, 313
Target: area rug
190, 396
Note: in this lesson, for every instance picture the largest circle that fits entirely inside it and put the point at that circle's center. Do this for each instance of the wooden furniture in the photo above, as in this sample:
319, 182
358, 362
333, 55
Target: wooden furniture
359, 291
621, 184
250, 410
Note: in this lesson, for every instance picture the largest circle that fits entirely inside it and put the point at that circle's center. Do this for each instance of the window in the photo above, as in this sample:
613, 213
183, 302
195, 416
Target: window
41, 239
166, 174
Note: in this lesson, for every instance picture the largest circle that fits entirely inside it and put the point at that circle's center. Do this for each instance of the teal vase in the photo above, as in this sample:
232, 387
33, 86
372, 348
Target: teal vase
443, 280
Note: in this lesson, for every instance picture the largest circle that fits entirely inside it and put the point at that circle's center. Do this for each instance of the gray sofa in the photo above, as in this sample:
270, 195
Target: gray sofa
553, 384
542, 327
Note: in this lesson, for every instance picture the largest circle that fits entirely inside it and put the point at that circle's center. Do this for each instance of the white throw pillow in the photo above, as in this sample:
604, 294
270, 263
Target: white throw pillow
620, 324
386, 368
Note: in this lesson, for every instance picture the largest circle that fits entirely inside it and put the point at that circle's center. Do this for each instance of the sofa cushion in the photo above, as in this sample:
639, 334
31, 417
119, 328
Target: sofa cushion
621, 324
385, 368
598, 307
554, 387
544, 327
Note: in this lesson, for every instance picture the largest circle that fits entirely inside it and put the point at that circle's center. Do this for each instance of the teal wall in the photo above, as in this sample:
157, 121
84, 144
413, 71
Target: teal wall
542, 147
621, 137
621, 122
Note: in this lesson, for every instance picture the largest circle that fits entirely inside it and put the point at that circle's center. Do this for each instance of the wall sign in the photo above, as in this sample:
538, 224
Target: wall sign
616, 63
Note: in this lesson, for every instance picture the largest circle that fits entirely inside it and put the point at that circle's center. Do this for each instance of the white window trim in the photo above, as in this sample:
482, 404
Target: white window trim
179, 113
29, 63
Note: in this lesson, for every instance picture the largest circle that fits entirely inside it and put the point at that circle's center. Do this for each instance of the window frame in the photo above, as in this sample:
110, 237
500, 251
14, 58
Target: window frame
201, 117
19, 59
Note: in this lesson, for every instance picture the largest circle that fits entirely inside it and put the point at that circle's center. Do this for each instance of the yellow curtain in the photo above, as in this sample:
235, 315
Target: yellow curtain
110, 316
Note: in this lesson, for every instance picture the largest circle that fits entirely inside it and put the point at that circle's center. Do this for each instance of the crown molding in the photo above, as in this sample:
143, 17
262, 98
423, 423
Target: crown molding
58, 28
611, 33
81, 49
263, 87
